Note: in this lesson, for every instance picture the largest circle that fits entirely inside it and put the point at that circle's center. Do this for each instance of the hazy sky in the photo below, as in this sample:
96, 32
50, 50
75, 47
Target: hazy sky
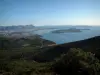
50, 12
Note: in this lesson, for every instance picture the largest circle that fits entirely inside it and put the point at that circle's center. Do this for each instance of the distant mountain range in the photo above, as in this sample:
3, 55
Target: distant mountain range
3, 28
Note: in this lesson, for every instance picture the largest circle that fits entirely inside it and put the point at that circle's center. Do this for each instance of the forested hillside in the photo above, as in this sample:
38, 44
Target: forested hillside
34, 56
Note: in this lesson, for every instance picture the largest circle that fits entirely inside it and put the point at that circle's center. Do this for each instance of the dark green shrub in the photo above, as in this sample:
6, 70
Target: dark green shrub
77, 62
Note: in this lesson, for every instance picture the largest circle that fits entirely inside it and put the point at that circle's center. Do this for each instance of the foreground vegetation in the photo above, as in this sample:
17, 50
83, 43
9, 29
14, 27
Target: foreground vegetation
25, 56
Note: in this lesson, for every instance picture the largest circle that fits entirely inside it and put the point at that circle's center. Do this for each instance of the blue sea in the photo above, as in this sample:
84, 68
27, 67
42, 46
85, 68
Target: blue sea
60, 38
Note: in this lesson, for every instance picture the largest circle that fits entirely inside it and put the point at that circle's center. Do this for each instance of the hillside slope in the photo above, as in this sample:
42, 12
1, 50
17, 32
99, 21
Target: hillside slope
25, 56
91, 45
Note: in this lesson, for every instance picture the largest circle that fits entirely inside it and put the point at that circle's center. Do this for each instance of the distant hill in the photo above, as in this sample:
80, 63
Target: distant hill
71, 30
7, 43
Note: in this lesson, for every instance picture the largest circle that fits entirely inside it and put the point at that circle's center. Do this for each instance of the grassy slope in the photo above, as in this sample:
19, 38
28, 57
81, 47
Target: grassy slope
18, 57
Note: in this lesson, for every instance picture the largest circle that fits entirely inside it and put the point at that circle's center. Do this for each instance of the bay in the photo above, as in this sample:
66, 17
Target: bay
60, 38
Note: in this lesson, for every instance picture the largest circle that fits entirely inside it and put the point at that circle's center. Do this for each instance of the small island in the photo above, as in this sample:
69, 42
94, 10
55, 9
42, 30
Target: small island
71, 30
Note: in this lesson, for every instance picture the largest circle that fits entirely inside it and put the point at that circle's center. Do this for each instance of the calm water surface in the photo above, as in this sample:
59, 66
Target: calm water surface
60, 38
